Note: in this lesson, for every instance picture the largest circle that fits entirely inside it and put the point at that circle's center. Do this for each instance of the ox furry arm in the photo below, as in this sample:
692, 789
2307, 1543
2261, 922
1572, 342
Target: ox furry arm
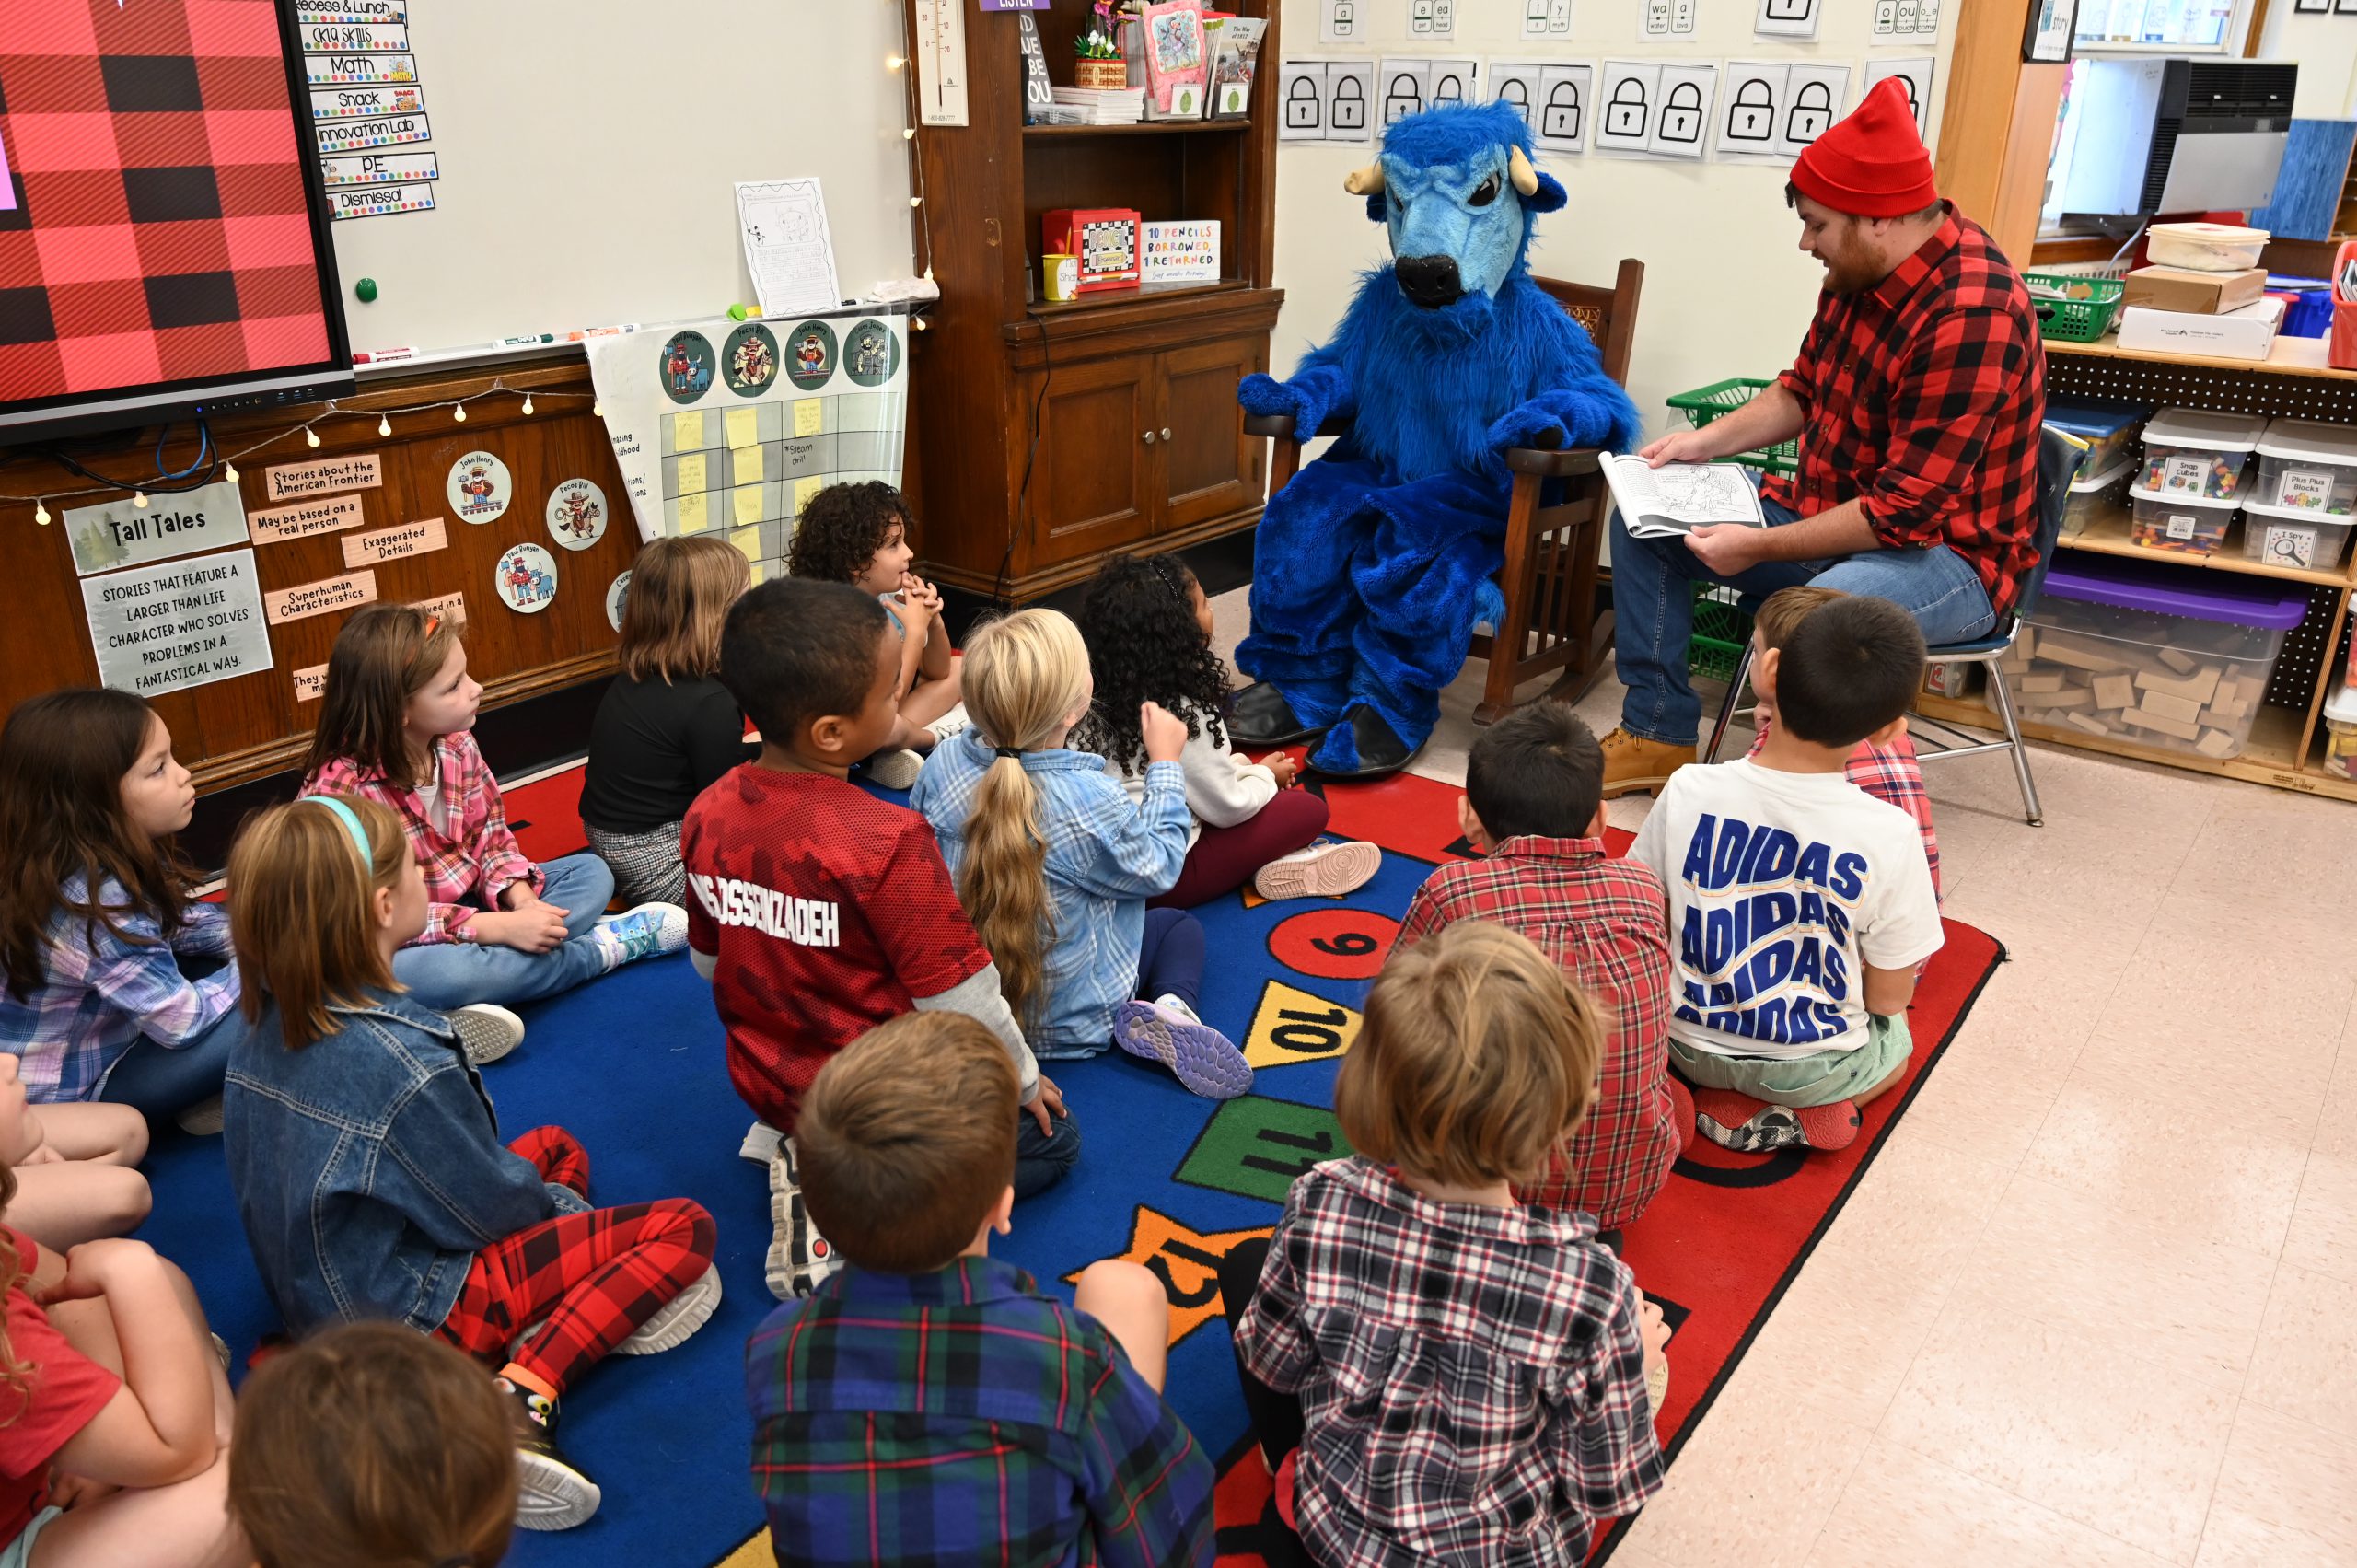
1592, 413
1317, 391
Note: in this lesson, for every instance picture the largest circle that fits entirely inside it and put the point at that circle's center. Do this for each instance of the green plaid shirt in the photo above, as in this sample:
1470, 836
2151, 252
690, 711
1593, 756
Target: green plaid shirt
961, 1417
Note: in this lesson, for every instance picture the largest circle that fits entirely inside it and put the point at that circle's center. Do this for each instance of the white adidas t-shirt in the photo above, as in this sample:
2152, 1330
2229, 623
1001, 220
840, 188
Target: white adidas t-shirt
1781, 886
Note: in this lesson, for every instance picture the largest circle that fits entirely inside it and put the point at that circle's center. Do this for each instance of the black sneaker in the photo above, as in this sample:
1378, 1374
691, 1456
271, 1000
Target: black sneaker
556, 1494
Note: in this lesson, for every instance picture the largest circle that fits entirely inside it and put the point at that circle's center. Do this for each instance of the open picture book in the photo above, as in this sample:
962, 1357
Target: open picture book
1679, 497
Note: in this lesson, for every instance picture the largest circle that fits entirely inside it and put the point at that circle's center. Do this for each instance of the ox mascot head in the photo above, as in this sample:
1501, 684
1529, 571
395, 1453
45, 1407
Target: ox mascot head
1456, 186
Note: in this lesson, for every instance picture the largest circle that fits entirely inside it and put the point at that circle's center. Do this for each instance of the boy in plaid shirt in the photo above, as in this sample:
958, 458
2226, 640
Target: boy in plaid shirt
927, 1404
1437, 1373
1534, 807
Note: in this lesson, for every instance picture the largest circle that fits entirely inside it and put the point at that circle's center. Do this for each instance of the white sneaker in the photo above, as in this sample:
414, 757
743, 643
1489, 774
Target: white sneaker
487, 1032
1321, 871
202, 1120
761, 1144
953, 722
894, 769
678, 1320
799, 1259
641, 932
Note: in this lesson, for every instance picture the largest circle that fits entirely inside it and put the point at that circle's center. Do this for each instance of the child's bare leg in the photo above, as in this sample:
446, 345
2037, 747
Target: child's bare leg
928, 698
88, 1327
93, 1130
67, 1203
1890, 1082
1130, 1302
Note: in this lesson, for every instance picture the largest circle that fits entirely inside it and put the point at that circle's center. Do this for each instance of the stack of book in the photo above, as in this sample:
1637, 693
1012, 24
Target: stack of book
1108, 105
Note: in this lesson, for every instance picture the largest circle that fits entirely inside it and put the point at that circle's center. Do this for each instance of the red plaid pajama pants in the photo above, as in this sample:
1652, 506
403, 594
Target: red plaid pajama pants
590, 1279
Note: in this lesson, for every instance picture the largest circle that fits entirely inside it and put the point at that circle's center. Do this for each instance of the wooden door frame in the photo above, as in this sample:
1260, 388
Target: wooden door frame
1997, 124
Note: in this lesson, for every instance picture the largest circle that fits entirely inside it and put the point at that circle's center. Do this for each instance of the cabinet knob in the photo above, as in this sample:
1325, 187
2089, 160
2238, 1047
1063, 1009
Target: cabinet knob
1165, 433
1149, 437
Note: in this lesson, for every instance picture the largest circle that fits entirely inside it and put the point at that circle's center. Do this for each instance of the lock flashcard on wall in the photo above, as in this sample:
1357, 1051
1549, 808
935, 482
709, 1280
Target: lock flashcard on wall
1682, 113
1917, 71
1515, 82
1625, 102
1404, 88
1350, 100
1815, 97
1565, 95
1785, 21
1452, 81
1301, 101
1754, 110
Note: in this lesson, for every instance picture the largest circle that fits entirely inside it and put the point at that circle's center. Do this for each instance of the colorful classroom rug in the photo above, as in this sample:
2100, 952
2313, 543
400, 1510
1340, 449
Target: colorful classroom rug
634, 1064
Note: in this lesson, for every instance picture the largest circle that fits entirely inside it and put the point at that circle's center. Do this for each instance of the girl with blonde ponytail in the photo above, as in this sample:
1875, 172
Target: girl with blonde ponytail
1054, 861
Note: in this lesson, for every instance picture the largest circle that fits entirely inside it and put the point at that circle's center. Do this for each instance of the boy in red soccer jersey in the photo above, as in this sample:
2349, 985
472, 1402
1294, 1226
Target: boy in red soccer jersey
820, 911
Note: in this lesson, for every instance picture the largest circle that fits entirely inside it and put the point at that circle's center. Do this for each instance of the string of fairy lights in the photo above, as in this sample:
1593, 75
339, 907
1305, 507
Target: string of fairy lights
225, 464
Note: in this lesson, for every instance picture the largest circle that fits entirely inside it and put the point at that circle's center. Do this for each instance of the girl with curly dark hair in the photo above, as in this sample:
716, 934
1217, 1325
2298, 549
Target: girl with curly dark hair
859, 534
1149, 633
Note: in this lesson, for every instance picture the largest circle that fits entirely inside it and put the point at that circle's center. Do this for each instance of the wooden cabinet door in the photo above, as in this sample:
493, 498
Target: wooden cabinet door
1210, 468
1093, 484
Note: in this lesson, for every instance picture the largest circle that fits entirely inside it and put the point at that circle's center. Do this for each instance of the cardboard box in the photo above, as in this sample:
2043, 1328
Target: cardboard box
2246, 334
2197, 294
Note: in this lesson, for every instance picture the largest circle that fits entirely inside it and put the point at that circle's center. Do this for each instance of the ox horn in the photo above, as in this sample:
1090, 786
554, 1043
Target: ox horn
1367, 182
1518, 170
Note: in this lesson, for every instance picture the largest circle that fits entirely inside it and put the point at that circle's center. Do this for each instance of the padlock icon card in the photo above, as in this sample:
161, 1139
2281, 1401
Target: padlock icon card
1811, 112
1681, 115
1627, 115
1305, 101
1346, 108
1751, 112
1561, 118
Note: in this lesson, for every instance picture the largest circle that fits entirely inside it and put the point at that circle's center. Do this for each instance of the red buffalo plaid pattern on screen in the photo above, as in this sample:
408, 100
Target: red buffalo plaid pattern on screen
159, 231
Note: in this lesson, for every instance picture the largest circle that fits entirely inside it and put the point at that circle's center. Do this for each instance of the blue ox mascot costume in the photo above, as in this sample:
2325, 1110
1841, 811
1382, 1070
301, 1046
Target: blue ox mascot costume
1374, 565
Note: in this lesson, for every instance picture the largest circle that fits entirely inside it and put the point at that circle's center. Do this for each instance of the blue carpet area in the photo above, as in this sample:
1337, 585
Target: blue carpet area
634, 1064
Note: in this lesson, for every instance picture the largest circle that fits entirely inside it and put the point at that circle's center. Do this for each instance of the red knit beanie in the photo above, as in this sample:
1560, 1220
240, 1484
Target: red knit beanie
1873, 163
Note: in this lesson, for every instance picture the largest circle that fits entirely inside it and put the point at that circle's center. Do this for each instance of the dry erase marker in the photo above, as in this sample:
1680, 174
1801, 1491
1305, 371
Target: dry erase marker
384, 356
529, 339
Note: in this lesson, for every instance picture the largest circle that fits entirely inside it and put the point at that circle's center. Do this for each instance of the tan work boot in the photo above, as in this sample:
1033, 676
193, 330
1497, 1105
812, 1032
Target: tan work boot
1632, 763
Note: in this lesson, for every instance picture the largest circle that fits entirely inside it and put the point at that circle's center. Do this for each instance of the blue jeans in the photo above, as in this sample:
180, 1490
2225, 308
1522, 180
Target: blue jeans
1041, 1159
160, 1081
1653, 608
444, 975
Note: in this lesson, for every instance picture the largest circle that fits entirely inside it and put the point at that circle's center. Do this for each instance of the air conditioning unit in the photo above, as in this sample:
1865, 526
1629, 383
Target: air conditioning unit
2163, 136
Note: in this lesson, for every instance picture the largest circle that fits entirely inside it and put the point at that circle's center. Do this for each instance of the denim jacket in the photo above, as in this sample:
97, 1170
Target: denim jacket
369, 1167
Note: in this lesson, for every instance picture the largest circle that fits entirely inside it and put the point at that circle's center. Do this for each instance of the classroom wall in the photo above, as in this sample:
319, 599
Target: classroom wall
1726, 292
2324, 48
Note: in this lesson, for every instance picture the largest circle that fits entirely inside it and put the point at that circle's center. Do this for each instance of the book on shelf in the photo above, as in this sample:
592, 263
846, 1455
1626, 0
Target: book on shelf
1098, 106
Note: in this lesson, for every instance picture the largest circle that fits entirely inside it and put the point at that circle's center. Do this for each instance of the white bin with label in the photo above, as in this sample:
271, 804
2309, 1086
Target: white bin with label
2307, 466
2189, 452
2287, 536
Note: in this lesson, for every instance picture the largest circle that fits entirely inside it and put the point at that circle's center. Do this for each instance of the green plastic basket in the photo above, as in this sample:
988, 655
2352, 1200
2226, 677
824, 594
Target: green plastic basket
1706, 403
2081, 320
1722, 631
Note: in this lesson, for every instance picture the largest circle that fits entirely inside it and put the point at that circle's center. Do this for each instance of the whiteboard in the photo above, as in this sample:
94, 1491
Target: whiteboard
589, 151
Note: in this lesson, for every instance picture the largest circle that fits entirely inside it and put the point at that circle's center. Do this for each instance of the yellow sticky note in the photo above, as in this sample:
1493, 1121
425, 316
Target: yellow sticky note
809, 416
748, 542
748, 461
803, 489
692, 517
760, 574
748, 505
686, 432
692, 473
744, 426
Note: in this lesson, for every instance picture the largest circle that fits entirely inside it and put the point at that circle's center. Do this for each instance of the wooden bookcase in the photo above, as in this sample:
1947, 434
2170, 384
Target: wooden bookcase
1045, 435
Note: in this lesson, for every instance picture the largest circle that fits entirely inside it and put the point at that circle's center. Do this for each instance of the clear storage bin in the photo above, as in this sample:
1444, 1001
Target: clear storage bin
2094, 499
2286, 536
2151, 652
2340, 733
2110, 430
2181, 524
2308, 466
2205, 247
2187, 452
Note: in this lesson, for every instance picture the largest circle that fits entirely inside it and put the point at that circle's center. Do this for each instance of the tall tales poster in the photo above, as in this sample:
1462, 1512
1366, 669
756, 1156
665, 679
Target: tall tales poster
178, 624
730, 428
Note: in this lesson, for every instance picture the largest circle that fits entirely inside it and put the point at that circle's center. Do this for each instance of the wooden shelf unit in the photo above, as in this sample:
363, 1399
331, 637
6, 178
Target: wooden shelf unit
1045, 435
2285, 748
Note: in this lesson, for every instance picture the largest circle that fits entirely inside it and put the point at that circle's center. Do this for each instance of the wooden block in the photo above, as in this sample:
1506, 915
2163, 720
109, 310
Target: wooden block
2057, 648
2179, 660
2091, 724
2070, 697
2199, 686
2215, 743
2115, 691
2165, 725
2183, 710
2025, 641
2045, 680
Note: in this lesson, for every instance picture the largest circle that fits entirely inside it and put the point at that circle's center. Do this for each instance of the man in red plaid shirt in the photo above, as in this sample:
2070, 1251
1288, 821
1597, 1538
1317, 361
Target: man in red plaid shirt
1916, 399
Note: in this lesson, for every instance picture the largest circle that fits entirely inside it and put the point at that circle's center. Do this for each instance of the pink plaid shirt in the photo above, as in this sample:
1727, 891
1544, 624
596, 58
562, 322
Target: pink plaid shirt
466, 869
1892, 774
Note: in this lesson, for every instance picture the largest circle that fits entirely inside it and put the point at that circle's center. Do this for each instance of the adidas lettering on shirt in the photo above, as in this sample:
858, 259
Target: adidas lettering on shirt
825, 910
1783, 889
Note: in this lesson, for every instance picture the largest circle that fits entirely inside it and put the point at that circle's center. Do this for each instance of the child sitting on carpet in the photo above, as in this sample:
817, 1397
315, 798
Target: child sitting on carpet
667, 727
1055, 862
118, 985
859, 534
1006, 1421
76, 1165
394, 728
1534, 807
1888, 772
115, 1449
819, 910
1799, 904
367, 1164
1149, 633
1433, 1371
367, 1444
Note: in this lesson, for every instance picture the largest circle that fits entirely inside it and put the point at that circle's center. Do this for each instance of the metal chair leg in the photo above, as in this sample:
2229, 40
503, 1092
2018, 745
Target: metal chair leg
2019, 751
1736, 684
